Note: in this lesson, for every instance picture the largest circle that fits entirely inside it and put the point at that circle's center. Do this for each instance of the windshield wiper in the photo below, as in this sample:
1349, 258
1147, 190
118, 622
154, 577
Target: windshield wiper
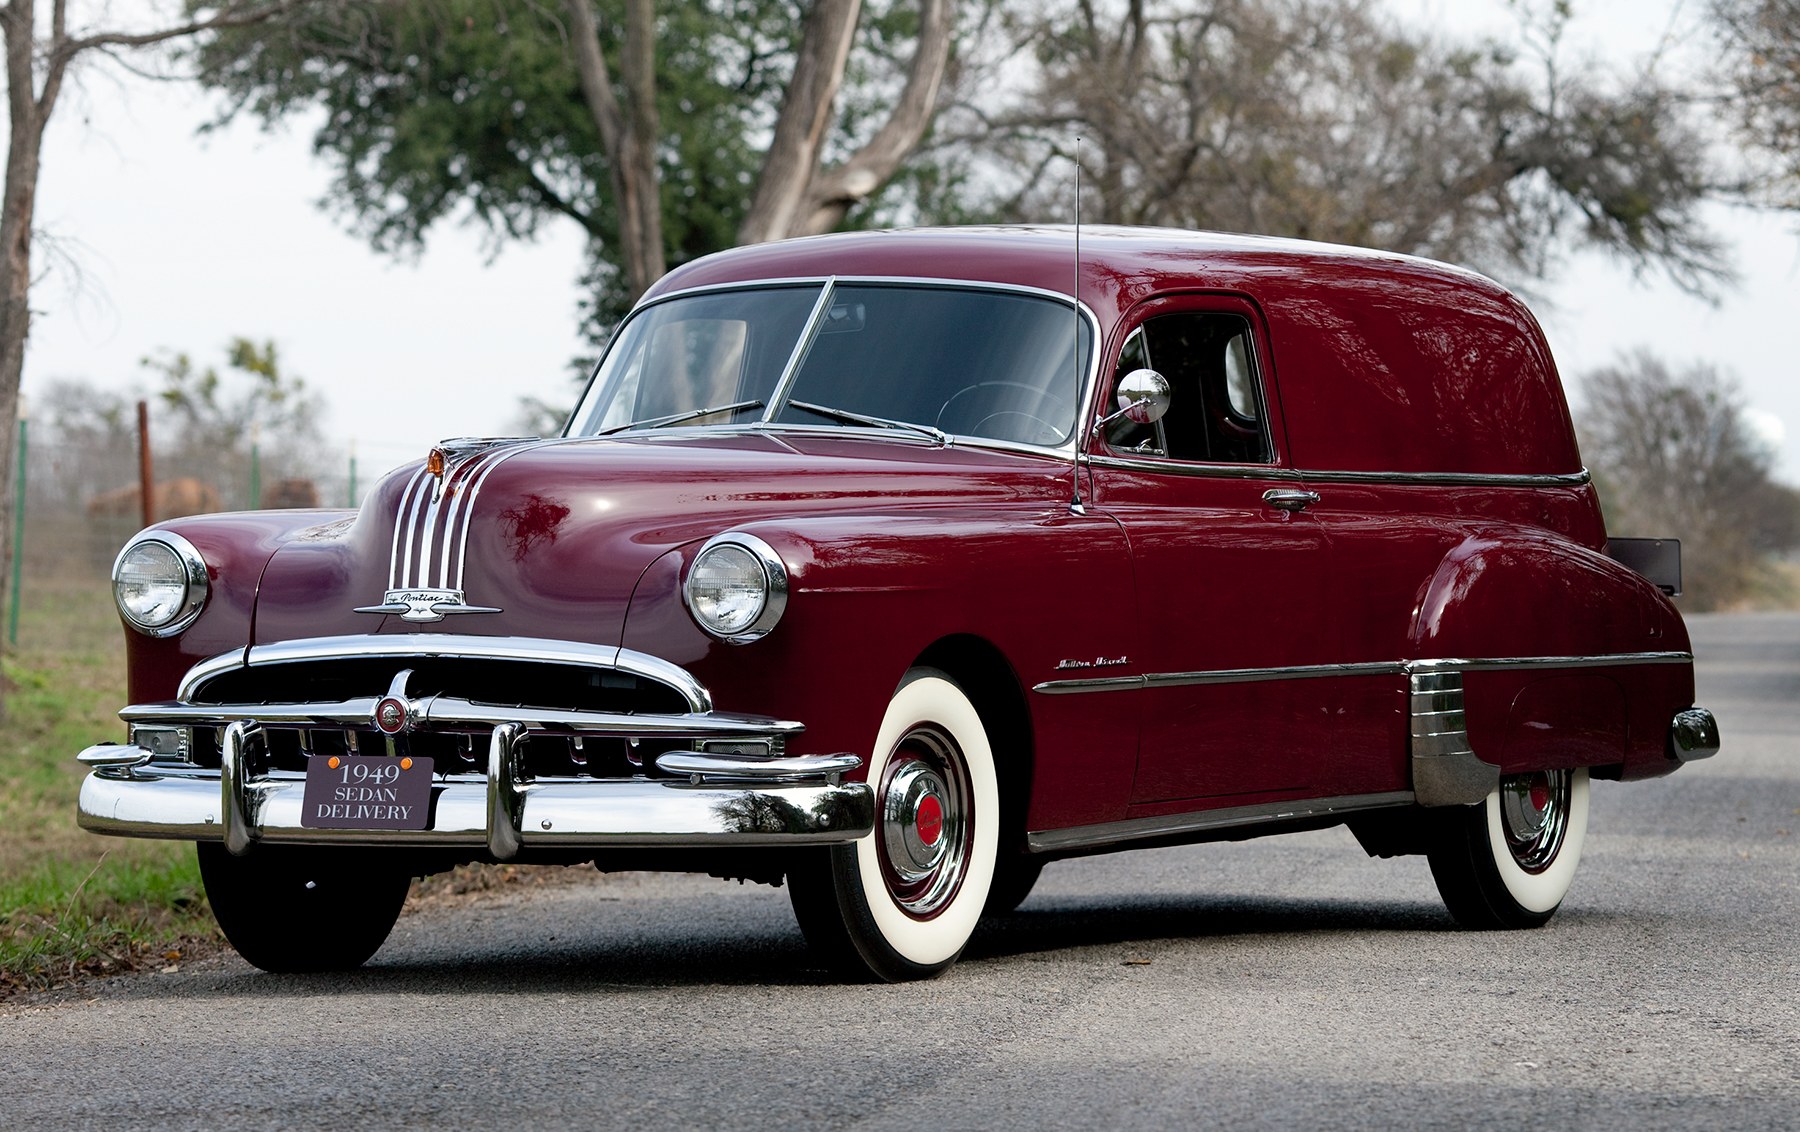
677, 418
846, 415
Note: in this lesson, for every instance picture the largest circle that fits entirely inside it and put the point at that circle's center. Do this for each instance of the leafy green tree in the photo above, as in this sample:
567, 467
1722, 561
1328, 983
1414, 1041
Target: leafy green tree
666, 131
217, 415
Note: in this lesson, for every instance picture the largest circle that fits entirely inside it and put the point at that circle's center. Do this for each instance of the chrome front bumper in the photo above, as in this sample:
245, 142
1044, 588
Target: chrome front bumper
734, 789
493, 812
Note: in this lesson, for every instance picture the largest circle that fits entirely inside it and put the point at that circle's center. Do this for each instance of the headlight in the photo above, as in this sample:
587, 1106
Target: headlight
159, 583
736, 588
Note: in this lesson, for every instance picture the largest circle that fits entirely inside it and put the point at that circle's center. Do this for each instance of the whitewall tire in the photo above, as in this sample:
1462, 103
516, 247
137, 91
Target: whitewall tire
1508, 862
903, 902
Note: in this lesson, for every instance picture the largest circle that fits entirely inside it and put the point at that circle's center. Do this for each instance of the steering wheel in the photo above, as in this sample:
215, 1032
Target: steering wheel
1048, 405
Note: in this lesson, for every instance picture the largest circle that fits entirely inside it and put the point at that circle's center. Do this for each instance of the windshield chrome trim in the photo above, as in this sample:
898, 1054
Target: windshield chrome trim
1065, 450
790, 373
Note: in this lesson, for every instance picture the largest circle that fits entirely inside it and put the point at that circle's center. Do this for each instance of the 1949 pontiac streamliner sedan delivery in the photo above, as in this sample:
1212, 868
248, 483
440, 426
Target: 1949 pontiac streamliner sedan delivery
881, 565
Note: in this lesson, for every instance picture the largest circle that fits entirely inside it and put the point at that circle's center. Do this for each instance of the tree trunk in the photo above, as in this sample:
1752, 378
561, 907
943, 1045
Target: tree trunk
833, 192
628, 134
781, 199
29, 105
26, 116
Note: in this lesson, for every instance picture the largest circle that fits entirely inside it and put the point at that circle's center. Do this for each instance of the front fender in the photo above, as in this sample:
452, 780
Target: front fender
870, 594
237, 547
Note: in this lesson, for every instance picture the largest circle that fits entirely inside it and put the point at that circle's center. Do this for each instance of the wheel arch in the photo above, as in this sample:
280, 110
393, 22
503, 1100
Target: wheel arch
988, 678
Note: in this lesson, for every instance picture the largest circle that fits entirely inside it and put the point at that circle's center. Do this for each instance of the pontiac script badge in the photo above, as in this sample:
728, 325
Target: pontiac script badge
424, 604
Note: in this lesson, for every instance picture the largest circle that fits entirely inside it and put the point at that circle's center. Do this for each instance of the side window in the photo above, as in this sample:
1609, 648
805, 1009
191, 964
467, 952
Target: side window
1216, 409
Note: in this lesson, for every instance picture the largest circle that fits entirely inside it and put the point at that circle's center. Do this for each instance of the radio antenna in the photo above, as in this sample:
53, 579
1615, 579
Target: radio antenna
1075, 504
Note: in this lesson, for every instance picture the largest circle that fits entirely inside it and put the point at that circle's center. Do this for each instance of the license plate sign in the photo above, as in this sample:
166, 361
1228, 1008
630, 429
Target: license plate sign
366, 792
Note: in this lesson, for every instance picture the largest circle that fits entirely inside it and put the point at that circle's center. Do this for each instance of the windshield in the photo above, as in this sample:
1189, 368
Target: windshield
994, 364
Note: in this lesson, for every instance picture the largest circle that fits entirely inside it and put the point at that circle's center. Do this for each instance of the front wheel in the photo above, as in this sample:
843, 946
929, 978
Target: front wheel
1507, 862
288, 909
902, 903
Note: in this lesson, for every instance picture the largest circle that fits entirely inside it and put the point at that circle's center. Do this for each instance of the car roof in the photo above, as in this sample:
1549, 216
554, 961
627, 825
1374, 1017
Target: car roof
1119, 265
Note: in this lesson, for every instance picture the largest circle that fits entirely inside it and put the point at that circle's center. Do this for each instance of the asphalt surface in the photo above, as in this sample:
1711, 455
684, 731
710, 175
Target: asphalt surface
1286, 982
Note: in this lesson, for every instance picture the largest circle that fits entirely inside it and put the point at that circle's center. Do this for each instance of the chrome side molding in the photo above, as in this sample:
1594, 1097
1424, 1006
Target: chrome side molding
1182, 825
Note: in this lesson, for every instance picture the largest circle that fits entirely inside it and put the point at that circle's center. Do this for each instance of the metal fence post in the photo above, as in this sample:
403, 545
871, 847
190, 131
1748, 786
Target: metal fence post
18, 542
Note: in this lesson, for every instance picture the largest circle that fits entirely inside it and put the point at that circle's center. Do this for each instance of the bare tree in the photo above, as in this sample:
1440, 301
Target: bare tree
1760, 69
1673, 457
35, 69
1323, 120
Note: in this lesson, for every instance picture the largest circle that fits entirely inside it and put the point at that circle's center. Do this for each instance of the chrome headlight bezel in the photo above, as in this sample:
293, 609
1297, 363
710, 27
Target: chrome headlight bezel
774, 585
192, 569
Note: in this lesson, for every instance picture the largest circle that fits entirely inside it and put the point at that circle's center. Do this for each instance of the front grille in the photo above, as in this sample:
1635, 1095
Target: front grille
504, 683
569, 686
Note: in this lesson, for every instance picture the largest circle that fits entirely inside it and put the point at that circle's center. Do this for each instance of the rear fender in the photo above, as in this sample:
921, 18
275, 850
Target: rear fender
1523, 595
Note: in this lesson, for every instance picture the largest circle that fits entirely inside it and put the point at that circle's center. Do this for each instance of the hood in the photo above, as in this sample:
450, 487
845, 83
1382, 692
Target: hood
549, 538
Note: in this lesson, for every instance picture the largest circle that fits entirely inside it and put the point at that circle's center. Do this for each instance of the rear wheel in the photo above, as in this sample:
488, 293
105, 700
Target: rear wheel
1508, 862
902, 903
288, 909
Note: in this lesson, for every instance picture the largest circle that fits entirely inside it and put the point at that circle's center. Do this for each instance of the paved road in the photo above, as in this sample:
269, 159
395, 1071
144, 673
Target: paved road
1289, 982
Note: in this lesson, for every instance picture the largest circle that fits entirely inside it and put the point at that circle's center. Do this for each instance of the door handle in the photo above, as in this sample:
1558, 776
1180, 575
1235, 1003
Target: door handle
1290, 498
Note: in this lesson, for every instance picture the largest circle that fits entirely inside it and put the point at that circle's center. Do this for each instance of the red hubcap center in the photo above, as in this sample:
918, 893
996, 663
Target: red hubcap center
1540, 793
929, 820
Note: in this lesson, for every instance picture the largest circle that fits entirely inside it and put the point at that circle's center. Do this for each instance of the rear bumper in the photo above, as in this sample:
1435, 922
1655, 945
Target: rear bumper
1693, 734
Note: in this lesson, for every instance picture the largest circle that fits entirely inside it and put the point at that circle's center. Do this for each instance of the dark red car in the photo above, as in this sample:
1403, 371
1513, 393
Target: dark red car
874, 565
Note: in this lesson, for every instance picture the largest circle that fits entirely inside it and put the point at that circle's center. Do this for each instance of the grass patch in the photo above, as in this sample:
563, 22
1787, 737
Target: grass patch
73, 903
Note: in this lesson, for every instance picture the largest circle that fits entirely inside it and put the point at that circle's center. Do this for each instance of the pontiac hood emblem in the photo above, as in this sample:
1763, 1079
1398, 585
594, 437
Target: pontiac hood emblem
424, 604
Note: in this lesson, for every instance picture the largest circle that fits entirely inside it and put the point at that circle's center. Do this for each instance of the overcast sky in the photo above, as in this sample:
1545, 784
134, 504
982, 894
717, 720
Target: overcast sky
181, 243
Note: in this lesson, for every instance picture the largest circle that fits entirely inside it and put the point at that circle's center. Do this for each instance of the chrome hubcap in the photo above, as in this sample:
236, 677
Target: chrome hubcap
925, 826
1534, 811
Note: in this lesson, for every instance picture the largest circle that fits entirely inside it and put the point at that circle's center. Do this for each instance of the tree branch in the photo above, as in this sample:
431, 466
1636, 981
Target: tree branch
834, 192
781, 190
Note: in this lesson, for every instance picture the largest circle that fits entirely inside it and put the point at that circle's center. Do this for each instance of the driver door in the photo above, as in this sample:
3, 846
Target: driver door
1230, 569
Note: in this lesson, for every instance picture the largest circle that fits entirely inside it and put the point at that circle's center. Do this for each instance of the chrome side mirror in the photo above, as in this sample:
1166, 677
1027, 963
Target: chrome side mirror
1142, 398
